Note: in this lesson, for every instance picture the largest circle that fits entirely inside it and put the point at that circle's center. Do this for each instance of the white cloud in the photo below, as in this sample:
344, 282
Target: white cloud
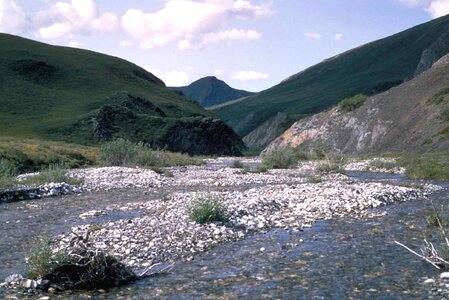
313, 35
248, 75
74, 44
188, 22
105, 22
126, 43
170, 78
438, 8
338, 36
64, 19
12, 17
228, 36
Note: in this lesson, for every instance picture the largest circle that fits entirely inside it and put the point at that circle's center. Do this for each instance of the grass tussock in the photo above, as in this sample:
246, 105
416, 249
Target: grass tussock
8, 172
352, 103
207, 210
41, 260
121, 152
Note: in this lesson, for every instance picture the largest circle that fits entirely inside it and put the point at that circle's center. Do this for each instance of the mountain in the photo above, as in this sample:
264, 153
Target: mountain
412, 117
210, 91
59, 93
369, 70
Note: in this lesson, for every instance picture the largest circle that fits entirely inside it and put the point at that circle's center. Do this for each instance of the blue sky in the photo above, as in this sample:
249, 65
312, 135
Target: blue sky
250, 44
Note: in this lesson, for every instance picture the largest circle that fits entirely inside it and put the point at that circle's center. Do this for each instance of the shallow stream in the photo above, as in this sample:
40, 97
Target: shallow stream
344, 258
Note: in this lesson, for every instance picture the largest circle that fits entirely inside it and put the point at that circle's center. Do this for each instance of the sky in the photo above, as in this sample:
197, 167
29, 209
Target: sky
250, 44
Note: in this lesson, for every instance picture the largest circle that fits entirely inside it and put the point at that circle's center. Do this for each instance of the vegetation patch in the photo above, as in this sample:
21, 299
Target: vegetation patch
439, 96
285, 158
429, 166
352, 103
121, 152
41, 260
237, 164
313, 179
30, 155
56, 173
207, 210
445, 114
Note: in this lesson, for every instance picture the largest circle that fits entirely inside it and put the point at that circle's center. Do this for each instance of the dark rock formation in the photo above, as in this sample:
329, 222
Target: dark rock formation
437, 50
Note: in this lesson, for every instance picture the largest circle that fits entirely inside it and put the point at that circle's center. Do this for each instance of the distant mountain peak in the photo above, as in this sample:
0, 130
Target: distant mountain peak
210, 90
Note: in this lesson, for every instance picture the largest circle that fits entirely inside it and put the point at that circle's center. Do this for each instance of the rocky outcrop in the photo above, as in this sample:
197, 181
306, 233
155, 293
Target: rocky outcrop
432, 54
401, 119
267, 132
139, 120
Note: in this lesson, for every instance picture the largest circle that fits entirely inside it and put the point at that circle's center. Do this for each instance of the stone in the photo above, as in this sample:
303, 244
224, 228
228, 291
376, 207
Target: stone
444, 275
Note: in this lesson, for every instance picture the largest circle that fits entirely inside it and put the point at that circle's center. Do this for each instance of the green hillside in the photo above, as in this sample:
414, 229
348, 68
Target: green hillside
59, 93
368, 70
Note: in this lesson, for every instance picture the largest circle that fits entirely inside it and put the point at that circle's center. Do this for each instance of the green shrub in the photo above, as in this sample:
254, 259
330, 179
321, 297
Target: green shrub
350, 104
207, 210
41, 260
282, 158
121, 152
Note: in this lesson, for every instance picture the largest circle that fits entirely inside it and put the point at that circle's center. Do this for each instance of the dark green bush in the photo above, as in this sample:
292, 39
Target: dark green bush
207, 210
350, 104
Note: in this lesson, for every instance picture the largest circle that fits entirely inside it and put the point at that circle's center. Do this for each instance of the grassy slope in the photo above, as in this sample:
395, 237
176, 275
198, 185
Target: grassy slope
43, 87
389, 60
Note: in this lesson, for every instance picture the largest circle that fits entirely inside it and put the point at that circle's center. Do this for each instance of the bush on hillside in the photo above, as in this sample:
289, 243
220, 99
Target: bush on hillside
352, 103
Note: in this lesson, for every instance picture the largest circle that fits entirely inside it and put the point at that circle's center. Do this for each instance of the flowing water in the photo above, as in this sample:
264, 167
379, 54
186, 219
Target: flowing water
353, 257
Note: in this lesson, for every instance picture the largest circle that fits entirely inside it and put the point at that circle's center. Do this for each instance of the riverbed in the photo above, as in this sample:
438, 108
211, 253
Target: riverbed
340, 257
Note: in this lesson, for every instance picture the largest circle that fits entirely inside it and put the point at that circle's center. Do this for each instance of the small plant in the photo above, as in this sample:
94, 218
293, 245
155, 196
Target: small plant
313, 179
350, 104
207, 210
429, 166
41, 260
237, 164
